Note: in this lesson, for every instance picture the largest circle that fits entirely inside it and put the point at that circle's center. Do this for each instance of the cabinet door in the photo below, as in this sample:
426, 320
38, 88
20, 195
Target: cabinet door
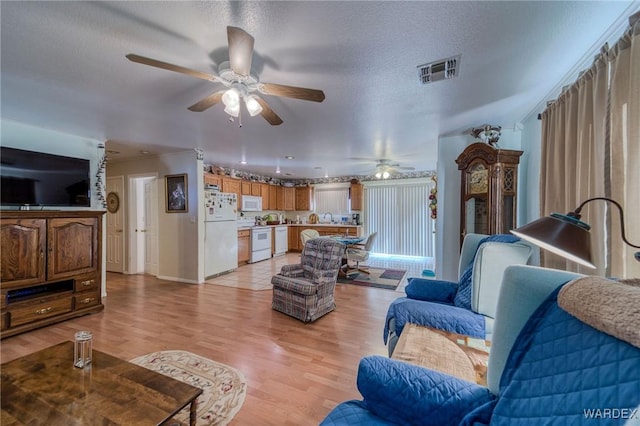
213, 180
303, 198
355, 193
289, 199
256, 189
279, 198
264, 193
294, 238
243, 246
73, 247
233, 186
246, 187
23, 245
273, 197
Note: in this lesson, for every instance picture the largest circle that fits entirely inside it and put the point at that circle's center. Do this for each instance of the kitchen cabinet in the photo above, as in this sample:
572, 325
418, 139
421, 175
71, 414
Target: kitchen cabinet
213, 179
355, 194
245, 187
286, 198
232, 185
488, 189
273, 197
304, 198
264, 193
294, 238
244, 246
256, 189
50, 267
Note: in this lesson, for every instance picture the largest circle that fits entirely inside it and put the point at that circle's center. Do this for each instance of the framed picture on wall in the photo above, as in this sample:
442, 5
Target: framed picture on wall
177, 199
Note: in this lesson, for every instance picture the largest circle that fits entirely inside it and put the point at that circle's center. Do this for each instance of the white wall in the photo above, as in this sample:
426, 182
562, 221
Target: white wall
181, 235
18, 135
23, 136
448, 220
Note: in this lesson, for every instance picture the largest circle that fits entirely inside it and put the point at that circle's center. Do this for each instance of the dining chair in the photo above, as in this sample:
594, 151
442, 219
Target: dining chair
360, 253
308, 234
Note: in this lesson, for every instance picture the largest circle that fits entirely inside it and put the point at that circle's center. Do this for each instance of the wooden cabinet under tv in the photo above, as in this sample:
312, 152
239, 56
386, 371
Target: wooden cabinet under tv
50, 267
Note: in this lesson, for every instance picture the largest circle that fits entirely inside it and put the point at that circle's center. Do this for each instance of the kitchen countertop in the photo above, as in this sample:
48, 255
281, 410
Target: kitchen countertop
332, 225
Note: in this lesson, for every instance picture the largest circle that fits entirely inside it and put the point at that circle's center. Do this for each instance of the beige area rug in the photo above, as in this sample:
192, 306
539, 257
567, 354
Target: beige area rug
223, 387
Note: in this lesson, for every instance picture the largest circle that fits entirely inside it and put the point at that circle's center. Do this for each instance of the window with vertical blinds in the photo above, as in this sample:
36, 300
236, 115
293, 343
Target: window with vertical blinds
399, 212
331, 199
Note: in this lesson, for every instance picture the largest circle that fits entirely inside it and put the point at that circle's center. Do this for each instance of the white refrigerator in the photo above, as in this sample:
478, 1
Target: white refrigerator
221, 233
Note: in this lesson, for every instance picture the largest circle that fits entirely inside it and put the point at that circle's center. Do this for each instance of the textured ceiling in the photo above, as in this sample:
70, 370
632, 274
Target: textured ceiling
63, 67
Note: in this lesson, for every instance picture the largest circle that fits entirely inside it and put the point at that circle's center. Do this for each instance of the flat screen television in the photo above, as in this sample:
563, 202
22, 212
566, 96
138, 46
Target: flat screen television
39, 179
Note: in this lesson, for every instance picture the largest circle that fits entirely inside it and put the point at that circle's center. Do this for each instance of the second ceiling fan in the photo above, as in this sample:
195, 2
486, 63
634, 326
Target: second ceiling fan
240, 85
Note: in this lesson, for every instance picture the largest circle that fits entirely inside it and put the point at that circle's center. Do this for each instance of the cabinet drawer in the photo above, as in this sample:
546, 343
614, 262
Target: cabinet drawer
86, 300
87, 283
44, 308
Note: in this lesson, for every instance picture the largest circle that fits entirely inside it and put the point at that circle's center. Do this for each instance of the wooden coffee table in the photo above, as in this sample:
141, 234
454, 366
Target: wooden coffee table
44, 388
460, 356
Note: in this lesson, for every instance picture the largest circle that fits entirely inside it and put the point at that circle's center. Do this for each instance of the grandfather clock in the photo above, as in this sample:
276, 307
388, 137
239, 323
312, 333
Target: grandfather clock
489, 189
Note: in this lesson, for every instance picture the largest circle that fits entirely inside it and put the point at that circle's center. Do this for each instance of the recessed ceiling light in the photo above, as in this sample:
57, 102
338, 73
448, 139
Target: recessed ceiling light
317, 168
144, 152
289, 157
243, 162
277, 171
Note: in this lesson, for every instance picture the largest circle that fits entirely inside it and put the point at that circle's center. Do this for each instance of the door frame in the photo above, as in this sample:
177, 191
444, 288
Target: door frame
136, 204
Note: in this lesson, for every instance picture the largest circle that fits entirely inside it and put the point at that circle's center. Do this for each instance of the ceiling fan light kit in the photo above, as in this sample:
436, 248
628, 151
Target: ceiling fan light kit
236, 76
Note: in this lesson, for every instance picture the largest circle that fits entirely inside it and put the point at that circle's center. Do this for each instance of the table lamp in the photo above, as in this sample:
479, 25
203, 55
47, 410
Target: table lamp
566, 235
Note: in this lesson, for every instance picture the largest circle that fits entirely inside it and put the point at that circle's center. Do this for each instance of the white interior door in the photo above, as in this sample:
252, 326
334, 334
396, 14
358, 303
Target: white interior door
115, 227
151, 226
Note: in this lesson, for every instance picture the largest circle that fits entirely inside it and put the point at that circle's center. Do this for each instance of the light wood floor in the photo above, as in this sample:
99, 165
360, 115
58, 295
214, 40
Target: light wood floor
296, 372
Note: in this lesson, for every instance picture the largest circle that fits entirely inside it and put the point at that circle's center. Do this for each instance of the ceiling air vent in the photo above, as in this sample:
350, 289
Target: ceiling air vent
439, 70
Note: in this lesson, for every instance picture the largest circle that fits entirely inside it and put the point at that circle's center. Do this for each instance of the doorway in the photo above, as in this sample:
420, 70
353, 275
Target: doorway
143, 226
115, 224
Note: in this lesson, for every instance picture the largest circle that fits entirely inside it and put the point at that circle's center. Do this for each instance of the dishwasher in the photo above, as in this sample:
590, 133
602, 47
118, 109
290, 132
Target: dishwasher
280, 240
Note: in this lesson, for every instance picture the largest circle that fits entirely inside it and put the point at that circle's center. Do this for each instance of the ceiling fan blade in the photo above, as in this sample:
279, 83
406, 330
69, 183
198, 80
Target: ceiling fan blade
171, 67
207, 102
292, 92
268, 114
240, 50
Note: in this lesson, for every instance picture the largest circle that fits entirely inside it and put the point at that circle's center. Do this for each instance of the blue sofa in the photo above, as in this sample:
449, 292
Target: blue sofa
566, 351
467, 307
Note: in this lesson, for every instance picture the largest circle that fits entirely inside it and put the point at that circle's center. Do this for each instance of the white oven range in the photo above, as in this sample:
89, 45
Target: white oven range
260, 243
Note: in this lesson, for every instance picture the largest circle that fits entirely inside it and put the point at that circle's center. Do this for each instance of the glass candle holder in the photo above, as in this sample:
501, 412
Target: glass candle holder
82, 349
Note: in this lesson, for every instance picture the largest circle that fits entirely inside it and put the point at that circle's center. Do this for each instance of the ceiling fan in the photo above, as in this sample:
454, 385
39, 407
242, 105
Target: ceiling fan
385, 167
240, 84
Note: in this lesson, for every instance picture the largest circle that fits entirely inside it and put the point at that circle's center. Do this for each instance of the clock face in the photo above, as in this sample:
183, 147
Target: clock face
113, 202
478, 181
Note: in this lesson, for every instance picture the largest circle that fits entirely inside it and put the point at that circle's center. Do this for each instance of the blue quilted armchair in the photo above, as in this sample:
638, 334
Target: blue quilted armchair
566, 351
467, 307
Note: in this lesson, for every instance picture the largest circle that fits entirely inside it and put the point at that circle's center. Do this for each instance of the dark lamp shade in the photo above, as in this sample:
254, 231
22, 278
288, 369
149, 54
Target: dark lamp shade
560, 234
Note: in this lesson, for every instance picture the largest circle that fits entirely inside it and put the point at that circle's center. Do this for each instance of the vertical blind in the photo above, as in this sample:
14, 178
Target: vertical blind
399, 212
332, 200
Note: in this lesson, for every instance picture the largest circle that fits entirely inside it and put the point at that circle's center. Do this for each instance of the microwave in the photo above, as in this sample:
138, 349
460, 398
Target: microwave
251, 203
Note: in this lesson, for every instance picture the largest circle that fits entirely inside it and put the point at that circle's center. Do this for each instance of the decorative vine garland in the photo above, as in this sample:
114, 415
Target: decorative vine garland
433, 198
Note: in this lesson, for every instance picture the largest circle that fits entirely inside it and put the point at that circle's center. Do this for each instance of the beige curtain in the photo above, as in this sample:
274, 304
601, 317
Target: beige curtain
625, 148
573, 148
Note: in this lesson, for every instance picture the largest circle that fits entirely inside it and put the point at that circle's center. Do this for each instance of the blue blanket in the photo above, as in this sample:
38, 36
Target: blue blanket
456, 318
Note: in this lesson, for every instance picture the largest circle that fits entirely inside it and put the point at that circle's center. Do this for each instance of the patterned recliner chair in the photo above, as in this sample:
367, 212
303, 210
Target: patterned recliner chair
305, 290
